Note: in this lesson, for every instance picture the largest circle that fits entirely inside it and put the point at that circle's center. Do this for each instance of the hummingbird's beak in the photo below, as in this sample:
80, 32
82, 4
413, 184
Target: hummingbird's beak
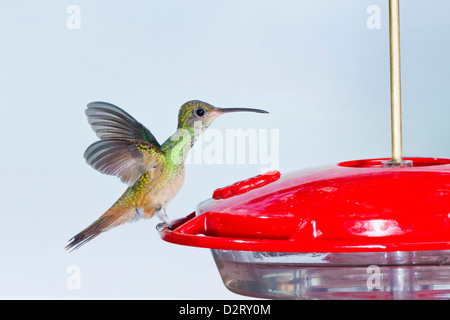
226, 110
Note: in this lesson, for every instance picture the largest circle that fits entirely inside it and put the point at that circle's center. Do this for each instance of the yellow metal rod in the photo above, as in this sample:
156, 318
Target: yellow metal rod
396, 108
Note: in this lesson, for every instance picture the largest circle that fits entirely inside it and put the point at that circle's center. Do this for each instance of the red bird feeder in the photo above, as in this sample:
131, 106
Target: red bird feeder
364, 229
354, 230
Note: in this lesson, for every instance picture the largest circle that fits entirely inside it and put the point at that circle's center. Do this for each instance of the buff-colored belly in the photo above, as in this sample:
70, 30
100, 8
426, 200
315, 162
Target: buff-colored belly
165, 188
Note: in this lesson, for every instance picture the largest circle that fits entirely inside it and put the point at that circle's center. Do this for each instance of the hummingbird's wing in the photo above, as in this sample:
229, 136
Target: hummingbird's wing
126, 159
111, 122
127, 149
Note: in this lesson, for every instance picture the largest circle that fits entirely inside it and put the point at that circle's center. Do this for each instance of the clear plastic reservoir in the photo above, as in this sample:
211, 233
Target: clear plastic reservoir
366, 275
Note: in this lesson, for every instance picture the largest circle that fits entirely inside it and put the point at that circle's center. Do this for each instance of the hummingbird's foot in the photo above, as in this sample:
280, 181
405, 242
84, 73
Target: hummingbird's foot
163, 216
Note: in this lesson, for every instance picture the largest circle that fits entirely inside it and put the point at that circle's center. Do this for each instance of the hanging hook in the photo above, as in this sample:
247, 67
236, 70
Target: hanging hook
396, 101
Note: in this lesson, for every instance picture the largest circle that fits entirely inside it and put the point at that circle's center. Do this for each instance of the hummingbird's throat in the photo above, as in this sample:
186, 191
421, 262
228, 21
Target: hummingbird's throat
181, 142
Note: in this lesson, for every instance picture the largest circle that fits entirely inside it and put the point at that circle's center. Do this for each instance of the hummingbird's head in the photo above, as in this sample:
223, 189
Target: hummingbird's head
198, 114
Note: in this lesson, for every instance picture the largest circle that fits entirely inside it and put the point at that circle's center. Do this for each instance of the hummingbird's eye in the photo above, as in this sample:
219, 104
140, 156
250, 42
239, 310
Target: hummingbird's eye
200, 112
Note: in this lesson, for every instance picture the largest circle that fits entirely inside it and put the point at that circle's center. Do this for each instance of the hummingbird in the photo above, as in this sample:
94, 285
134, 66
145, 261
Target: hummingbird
153, 172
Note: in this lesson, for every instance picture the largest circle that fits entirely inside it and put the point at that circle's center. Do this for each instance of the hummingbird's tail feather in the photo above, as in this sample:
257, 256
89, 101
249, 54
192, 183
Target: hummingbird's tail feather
110, 219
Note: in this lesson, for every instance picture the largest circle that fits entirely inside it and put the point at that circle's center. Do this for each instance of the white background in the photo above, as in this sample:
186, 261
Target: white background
315, 65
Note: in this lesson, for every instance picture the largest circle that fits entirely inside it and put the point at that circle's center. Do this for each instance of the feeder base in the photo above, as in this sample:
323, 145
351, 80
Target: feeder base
371, 275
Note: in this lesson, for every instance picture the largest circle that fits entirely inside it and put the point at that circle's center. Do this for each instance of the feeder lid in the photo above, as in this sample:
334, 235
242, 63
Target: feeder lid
354, 206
